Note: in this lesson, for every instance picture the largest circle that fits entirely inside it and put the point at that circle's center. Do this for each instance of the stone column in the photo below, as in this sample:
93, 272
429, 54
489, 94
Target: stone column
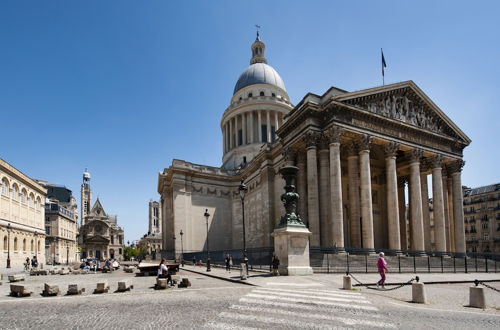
230, 133
403, 230
302, 185
252, 140
451, 228
444, 185
259, 128
354, 207
438, 205
268, 124
324, 196
392, 196
311, 139
336, 211
417, 221
425, 211
366, 193
244, 128
276, 124
458, 205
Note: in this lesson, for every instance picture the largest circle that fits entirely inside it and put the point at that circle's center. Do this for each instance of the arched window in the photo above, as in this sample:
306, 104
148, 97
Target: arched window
24, 244
250, 95
24, 195
5, 243
261, 93
15, 244
5, 187
273, 95
15, 192
38, 244
38, 202
31, 199
32, 246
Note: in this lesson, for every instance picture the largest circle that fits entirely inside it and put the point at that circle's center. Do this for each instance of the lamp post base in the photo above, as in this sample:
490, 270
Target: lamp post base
291, 246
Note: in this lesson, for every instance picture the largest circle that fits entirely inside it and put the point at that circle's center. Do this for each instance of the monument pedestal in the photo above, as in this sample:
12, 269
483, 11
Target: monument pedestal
291, 246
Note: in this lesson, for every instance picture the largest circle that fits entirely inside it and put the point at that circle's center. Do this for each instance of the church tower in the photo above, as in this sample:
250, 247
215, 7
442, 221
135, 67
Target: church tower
256, 111
86, 197
154, 218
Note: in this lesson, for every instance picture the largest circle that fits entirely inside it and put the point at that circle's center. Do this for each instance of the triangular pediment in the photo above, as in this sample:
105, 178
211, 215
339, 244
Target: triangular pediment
407, 103
97, 239
97, 209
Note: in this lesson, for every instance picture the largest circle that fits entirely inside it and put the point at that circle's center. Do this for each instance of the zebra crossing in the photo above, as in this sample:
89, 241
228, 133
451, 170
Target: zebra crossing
289, 306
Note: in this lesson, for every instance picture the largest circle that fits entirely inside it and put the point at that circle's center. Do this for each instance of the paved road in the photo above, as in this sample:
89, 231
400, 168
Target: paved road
276, 303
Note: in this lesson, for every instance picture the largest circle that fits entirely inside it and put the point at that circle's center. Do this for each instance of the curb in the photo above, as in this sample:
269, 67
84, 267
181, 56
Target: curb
219, 277
430, 282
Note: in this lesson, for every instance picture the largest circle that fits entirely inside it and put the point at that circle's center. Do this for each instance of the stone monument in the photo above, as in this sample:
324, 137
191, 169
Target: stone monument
291, 237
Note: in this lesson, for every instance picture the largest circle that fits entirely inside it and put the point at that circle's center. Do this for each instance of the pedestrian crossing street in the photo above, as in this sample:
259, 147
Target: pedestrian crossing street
292, 306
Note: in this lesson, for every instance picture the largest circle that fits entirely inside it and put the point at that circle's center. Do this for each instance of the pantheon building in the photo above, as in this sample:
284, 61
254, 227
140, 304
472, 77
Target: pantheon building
364, 157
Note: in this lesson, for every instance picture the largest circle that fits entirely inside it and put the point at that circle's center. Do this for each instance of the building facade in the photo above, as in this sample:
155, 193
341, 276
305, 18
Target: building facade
358, 153
22, 229
61, 219
153, 241
482, 218
99, 236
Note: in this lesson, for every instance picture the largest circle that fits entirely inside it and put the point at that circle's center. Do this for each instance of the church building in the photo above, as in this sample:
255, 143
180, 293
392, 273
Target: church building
99, 237
360, 155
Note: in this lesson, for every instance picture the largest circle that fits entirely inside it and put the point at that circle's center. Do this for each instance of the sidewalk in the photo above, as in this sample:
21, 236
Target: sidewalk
232, 276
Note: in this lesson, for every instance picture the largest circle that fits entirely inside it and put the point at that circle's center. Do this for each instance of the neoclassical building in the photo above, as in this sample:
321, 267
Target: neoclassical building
99, 235
359, 154
22, 226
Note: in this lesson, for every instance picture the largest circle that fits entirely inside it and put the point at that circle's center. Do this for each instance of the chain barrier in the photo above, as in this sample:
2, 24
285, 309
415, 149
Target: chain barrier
486, 285
381, 289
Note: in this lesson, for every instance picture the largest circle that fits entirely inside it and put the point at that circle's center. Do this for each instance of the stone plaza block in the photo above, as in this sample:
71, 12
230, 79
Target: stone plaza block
50, 290
161, 284
102, 287
125, 285
476, 297
73, 290
16, 278
19, 290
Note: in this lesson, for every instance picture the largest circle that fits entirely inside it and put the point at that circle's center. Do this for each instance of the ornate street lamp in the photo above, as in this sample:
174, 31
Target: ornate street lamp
243, 190
182, 249
206, 215
8, 245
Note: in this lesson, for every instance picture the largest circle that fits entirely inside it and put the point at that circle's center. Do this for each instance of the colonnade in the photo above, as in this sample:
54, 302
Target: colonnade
251, 123
323, 198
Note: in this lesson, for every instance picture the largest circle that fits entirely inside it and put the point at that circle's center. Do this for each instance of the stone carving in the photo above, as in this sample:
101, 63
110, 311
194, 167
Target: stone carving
363, 142
333, 134
436, 161
455, 166
415, 155
391, 149
290, 198
289, 154
311, 139
352, 149
400, 107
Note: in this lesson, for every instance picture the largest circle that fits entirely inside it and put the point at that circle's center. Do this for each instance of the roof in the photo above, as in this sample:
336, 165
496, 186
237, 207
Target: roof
482, 190
259, 73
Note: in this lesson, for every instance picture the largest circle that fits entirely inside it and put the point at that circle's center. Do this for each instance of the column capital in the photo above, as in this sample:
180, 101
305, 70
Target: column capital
311, 139
436, 161
455, 166
415, 155
352, 149
333, 134
363, 142
391, 149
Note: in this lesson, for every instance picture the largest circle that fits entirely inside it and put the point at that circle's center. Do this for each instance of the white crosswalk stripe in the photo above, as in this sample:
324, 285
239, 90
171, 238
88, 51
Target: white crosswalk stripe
300, 308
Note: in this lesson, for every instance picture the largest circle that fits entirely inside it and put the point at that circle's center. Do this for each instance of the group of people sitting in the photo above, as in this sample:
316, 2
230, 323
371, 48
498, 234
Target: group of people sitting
94, 265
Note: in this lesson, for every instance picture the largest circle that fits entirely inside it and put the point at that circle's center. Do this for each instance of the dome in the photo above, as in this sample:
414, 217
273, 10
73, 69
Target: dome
259, 73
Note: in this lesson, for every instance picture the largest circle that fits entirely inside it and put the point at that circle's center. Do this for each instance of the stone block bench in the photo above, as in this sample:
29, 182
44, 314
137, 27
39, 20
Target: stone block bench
19, 290
102, 287
128, 269
64, 272
50, 290
125, 285
161, 284
34, 272
73, 290
16, 278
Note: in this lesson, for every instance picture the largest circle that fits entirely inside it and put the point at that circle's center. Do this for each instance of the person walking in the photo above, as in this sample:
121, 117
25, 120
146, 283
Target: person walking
230, 262
275, 263
34, 262
228, 267
382, 269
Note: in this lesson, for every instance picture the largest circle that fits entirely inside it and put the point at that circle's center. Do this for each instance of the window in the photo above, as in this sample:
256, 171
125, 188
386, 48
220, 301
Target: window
5, 244
15, 244
32, 246
240, 137
273, 133
5, 187
261, 93
250, 95
485, 226
263, 132
15, 192
273, 94
486, 237
47, 230
23, 196
24, 244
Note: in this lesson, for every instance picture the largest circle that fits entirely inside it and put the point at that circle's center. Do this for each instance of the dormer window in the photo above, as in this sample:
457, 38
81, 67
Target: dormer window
261, 93
273, 94
250, 95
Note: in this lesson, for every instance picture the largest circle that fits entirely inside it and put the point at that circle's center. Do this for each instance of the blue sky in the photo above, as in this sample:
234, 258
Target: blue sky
123, 87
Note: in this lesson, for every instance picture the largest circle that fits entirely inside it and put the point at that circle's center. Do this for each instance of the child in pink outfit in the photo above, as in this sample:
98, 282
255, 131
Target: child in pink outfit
382, 268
